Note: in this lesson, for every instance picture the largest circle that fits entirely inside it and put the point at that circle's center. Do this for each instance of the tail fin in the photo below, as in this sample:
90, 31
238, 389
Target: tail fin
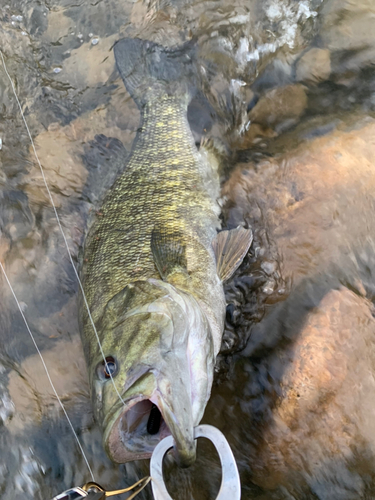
150, 71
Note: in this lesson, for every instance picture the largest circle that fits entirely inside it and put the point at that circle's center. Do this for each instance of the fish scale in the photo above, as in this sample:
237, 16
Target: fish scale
149, 269
161, 186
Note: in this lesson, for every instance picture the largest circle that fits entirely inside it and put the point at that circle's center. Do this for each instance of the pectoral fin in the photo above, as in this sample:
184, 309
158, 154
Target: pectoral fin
169, 253
230, 248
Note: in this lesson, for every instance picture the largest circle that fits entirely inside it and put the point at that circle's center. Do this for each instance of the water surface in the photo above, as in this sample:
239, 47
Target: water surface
289, 91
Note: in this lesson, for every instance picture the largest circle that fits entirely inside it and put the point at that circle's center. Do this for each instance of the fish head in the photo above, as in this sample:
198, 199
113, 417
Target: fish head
159, 350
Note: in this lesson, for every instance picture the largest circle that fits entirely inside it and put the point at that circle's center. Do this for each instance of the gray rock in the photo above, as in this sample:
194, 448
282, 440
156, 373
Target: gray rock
348, 31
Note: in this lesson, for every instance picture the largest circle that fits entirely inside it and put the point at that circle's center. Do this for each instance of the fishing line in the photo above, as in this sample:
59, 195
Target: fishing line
59, 224
47, 373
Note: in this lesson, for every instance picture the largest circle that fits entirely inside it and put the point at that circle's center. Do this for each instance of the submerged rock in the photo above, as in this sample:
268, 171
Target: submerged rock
324, 412
60, 151
280, 106
31, 393
88, 65
306, 408
315, 201
348, 32
314, 66
309, 397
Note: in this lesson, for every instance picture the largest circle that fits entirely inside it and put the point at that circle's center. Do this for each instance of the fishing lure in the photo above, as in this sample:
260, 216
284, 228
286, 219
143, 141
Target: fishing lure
93, 491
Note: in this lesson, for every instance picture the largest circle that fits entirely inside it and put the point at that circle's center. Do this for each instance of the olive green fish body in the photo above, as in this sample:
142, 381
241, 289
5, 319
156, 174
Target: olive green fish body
152, 279
163, 186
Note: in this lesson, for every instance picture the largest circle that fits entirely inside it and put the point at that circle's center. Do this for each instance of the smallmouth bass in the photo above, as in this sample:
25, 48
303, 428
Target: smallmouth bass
149, 271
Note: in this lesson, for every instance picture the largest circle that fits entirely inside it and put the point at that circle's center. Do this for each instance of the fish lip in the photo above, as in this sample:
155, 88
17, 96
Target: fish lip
111, 435
184, 446
127, 439
114, 436
186, 458
116, 411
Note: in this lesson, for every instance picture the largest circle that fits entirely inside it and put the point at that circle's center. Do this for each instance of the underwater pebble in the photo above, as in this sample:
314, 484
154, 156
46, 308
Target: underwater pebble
16, 18
6, 407
29, 471
269, 287
1, 144
57, 70
228, 344
95, 41
268, 267
280, 104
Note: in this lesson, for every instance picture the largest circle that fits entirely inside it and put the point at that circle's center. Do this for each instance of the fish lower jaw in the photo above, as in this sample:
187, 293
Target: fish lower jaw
129, 437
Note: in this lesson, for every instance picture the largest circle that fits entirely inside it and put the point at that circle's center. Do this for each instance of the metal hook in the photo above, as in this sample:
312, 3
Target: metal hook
230, 483
93, 491
96, 488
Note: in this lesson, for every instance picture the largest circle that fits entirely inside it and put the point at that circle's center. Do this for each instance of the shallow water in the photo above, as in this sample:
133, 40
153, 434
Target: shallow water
290, 93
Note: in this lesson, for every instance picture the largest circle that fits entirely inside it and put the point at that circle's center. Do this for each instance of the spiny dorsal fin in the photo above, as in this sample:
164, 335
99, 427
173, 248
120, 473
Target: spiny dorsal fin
168, 252
230, 248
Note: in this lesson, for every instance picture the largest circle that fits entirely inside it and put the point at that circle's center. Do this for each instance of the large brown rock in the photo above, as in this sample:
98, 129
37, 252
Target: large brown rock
315, 201
325, 412
306, 408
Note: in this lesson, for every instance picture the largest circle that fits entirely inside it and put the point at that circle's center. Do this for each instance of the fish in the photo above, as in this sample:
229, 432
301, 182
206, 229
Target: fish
153, 265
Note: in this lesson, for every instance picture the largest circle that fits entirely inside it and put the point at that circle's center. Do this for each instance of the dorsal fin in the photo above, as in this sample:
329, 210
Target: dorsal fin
230, 248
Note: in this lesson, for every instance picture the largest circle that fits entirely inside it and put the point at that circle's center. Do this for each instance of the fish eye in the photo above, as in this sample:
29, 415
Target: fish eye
107, 368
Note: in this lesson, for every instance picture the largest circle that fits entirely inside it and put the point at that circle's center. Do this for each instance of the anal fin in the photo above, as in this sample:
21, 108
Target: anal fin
230, 248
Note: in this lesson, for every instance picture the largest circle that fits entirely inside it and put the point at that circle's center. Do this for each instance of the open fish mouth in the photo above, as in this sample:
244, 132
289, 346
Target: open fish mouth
136, 430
